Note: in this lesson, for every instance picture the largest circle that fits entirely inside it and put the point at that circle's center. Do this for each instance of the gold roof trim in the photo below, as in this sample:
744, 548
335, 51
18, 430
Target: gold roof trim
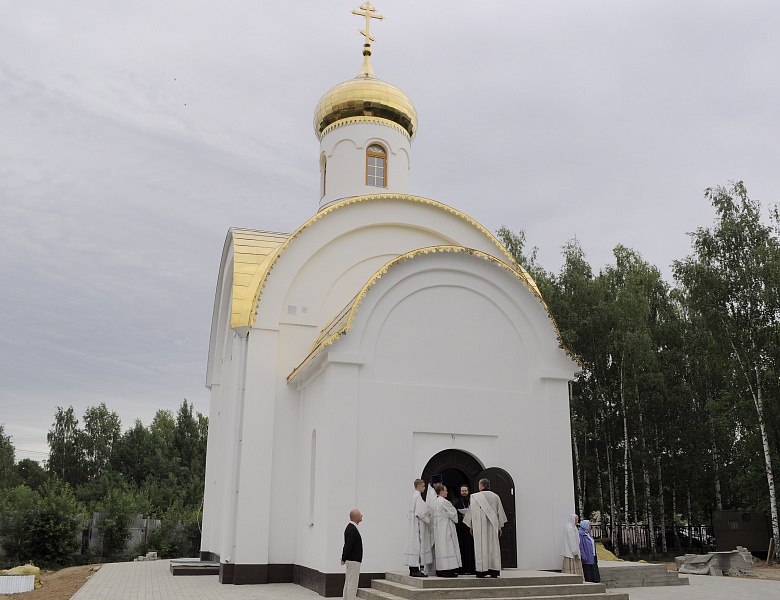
344, 320
253, 253
373, 120
252, 317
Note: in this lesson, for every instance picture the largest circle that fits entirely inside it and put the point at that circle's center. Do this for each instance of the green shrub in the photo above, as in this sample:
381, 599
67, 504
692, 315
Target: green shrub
167, 540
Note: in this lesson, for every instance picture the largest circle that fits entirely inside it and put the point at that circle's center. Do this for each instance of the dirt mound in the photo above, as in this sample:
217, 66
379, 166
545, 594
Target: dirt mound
59, 585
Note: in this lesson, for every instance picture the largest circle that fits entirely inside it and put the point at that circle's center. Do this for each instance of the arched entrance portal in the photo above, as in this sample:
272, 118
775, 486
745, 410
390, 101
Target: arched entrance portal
458, 467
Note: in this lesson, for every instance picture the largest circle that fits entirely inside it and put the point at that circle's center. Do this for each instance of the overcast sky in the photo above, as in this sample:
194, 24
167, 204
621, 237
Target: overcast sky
134, 134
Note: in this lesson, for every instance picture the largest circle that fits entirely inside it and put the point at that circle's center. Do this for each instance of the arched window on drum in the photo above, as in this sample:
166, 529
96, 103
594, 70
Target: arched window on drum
376, 166
323, 175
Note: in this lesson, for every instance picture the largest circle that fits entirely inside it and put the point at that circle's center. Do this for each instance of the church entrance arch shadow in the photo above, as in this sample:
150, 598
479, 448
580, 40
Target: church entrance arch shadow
458, 467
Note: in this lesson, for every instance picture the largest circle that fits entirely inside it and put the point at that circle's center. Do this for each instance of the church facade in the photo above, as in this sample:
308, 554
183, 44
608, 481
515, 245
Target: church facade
388, 338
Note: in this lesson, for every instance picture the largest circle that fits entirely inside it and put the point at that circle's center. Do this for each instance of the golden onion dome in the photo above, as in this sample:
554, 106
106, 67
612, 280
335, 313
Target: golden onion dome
365, 96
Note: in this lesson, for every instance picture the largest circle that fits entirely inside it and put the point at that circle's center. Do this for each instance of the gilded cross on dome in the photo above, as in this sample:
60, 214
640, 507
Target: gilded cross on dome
368, 11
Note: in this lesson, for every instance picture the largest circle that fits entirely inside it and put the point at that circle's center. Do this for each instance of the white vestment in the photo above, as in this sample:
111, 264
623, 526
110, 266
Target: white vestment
485, 517
445, 535
418, 537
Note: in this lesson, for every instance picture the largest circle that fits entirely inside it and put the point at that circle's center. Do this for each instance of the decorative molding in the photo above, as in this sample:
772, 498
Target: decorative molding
369, 120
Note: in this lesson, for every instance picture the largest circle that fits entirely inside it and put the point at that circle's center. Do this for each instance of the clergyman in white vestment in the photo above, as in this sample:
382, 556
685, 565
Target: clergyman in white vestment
418, 537
485, 518
445, 517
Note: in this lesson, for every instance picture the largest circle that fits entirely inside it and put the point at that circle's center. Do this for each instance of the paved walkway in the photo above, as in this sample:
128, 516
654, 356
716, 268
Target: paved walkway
705, 587
152, 580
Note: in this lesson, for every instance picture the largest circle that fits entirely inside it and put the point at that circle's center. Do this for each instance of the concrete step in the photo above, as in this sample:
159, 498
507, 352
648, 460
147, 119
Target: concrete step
623, 575
372, 594
407, 592
509, 577
514, 584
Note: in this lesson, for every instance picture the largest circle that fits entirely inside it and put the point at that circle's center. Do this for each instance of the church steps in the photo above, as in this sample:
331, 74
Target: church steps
531, 586
509, 577
372, 594
464, 593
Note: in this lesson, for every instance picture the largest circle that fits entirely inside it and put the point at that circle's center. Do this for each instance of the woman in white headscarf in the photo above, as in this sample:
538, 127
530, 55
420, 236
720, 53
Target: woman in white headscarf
571, 547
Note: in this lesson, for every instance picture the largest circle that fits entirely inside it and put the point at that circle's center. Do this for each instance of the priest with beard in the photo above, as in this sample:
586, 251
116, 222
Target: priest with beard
465, 539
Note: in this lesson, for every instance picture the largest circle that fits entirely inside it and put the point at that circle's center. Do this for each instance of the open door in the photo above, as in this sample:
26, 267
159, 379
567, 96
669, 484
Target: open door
501, 483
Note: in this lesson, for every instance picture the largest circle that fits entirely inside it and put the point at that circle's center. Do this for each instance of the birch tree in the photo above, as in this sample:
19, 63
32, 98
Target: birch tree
732, 279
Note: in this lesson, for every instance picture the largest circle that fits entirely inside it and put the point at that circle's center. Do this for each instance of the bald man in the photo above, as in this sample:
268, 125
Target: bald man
352, 554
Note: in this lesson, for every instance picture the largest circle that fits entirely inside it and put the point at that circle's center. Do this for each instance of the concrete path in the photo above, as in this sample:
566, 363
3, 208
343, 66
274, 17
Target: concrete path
705, 587
152, 580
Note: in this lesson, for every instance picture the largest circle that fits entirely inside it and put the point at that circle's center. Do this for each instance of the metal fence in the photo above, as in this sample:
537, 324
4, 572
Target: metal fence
680, 539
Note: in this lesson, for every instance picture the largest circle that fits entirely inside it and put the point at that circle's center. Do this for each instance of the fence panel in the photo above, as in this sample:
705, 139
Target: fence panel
687, 539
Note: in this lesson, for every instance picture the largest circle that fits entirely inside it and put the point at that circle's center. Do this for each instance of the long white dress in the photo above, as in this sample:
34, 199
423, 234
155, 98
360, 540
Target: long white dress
418, 537
485, 517
571, 548
445, 535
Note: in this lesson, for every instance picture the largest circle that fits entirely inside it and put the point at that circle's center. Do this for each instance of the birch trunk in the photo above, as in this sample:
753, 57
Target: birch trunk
690, 514
614, 517
598, 477
626, 519
632, 527
768, 463
664, 547
758, 400
646, 480
674, 517
716, 472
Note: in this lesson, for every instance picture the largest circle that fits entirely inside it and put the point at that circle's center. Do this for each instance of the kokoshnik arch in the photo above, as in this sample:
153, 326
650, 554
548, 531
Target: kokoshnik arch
389, 337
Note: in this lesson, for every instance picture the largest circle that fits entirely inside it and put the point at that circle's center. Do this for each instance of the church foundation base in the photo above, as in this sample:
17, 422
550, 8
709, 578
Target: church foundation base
329, 585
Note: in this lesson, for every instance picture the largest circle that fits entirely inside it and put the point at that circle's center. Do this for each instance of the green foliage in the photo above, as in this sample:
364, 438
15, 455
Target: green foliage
675, 413
65, 447
7, 454
43, 526
157, 472
102, 429
167, 540
118, 507
31, 474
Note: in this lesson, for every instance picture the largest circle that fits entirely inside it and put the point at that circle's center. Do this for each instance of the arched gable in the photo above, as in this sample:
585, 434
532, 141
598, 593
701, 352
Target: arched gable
529, 312
339, 222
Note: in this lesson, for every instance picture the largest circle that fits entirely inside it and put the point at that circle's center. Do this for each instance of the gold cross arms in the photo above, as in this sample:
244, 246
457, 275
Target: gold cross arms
368, 13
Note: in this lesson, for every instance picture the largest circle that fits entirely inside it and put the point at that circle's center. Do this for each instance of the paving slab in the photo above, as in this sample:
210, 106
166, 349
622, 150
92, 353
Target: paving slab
152, 580
705, 587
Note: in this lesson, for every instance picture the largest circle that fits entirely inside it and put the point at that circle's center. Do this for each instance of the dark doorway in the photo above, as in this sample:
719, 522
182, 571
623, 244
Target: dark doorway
501, 483
458, 467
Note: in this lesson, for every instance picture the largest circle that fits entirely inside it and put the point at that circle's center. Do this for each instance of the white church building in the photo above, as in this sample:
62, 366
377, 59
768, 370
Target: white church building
388, 338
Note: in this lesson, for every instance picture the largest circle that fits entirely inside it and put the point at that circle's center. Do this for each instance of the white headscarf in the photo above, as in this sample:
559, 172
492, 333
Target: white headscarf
571, 538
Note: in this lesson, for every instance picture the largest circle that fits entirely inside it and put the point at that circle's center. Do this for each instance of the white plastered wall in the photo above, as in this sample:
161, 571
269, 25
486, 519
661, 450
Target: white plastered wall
431, 382
266, 516
343, 153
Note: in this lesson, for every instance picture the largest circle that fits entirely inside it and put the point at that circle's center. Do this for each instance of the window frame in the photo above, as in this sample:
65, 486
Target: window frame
374, 154
323, 176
